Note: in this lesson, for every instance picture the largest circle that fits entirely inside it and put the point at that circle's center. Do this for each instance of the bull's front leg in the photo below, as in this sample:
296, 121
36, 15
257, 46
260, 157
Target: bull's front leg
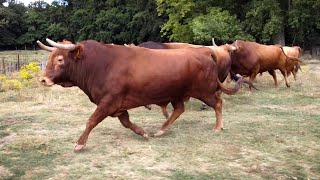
99, 114
218, 109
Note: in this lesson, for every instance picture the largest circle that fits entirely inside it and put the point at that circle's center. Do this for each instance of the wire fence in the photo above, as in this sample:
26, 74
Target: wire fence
11, 62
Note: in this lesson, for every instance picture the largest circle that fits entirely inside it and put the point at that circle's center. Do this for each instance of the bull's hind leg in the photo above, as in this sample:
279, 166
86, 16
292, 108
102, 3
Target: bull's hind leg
178, 109
215, 102
285, 75
125, 121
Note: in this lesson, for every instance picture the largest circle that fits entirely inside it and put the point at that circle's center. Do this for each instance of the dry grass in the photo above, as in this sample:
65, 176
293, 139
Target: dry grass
24, 55
272, 133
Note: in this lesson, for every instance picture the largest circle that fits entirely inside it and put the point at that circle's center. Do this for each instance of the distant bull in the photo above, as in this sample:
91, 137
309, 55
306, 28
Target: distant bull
118, 78
251, 58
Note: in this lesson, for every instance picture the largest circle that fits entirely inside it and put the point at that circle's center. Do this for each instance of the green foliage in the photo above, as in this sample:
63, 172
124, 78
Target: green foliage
11, 23
304, 22
218, 24
264, 19
177, 28
136, 21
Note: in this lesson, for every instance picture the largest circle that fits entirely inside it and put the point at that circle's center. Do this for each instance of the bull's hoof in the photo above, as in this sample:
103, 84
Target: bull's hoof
78, 147
216, 130
148, 107
203, 107
159, 133
145, 136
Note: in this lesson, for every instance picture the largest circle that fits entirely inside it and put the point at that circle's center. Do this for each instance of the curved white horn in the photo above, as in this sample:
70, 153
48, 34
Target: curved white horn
236, 44
231, 48
213, 43
126, 45
69, 47
47, 48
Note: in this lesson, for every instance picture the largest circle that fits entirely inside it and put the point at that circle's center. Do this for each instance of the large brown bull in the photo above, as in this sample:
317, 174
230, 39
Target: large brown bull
252, 58
222, 54
118, 78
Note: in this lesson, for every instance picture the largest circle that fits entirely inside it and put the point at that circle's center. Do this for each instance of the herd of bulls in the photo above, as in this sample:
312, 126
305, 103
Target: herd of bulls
118, 78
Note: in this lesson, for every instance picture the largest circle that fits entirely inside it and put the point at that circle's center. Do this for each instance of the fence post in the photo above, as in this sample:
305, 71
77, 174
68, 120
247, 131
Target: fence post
4, 66
18, 65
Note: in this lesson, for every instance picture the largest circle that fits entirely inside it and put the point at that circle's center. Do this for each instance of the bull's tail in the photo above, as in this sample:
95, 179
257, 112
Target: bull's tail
291, 58
232, 91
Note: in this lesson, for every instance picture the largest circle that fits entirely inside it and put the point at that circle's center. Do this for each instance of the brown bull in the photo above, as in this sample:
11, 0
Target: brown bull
292, 66
222, 54
118, 78
252, 58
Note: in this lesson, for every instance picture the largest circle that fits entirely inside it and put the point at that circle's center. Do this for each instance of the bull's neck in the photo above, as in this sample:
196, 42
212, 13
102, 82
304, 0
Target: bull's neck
79, 74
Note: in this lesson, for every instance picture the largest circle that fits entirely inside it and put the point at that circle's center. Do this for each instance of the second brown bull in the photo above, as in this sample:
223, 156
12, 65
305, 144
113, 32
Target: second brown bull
251, 58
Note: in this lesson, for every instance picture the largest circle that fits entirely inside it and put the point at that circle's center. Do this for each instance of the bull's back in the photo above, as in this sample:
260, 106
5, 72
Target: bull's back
292, 51
180, 45
165, 74
270, 58
223, 62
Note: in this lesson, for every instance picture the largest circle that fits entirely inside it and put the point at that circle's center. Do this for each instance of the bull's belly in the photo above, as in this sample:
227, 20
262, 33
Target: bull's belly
133, 100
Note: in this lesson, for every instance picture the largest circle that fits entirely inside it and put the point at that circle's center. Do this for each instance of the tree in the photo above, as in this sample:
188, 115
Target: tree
218, 24
264, 20
177, 28
304, 22
11, 23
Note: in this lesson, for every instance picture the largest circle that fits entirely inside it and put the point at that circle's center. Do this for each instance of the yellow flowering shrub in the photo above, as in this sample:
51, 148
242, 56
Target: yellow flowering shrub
25, 77
11, 84
29, 71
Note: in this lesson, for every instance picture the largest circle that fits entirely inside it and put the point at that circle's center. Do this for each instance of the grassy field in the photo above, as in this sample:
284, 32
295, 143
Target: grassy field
24, 55
273, 133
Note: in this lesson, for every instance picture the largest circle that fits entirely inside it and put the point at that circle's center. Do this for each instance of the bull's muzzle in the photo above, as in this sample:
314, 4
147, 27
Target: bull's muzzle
46, 81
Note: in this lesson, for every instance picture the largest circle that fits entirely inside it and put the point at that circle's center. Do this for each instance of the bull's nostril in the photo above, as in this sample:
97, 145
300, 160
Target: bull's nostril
42, 80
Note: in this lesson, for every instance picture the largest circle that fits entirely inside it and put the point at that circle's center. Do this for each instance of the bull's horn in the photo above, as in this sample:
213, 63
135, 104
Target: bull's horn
236, 44
231, 48
69, 47
213, 43
126, 45
44, 47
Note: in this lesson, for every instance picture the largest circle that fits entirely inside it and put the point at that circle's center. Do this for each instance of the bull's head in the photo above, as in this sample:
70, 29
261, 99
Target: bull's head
61, 57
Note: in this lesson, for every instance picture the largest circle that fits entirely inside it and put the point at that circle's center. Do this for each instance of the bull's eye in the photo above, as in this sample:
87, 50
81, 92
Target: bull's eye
60, 60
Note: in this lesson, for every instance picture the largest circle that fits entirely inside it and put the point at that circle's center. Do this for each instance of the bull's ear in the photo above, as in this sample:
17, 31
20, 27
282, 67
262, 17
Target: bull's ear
77, 53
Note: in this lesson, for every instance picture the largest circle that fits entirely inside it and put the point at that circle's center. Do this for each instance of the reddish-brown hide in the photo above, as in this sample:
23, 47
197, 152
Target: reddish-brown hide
252, 58
222, 54
293, 66
118, 78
